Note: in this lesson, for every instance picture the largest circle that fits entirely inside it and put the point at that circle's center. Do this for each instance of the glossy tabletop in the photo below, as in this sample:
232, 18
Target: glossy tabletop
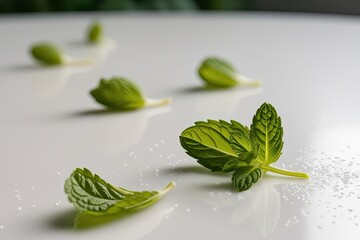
50, 125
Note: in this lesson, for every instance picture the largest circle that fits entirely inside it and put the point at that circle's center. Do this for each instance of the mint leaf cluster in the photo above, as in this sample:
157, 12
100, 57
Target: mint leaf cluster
233, 147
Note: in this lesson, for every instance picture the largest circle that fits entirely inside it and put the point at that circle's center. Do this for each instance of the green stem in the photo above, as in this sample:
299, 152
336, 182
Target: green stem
157, 102
122, 191
283, 172
166, 189
76, 61
154, 198
80, 61
245, 81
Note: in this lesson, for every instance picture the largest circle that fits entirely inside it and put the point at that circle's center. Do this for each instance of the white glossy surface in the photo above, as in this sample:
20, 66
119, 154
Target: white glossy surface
49, 125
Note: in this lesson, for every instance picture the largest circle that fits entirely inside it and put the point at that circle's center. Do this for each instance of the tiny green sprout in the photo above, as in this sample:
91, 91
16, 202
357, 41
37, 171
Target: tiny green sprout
119, 93
95, 32
50, 54
219, 73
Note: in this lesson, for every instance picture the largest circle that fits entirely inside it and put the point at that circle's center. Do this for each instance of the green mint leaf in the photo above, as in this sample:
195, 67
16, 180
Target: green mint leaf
95, 32
244, 177
232, 165
119, 94
47, 53
268, 132
209, 143
244, 145
220, 73
50, 54
92, 195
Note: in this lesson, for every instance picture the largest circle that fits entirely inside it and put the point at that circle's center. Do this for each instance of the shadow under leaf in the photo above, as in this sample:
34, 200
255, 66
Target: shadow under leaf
29, 67
84, 221
205, 88
97, 112
75, 220
227, 186
193, 169
64, 220
188, 169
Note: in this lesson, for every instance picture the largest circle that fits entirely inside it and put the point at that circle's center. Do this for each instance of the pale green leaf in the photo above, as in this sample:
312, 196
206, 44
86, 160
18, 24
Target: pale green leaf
47, 53
268, 132
218, 72
244, 177
95, 32
119, 93
92, 195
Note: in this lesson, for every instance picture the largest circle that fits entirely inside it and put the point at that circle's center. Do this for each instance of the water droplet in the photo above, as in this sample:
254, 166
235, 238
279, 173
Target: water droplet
162, 141
188, 210
150, 149
34, 205
19, 208
2, 227
58, 173
156, 145
215, 208
57, 204
176, 205
32, 188
125, 164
